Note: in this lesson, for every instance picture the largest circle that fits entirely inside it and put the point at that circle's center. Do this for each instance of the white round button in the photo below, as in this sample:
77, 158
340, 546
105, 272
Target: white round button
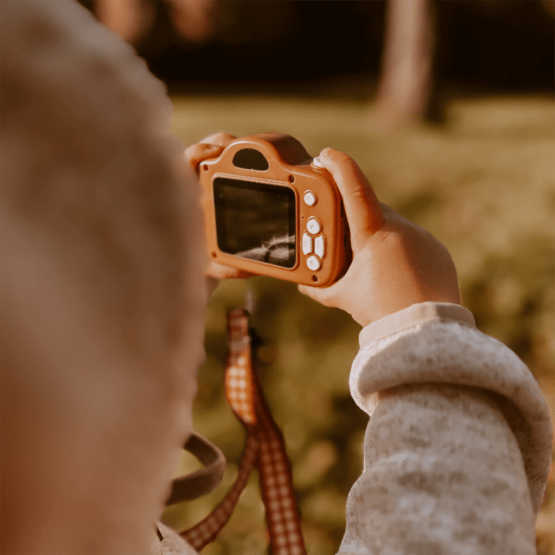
310, 198
313, 263
313, 226
317, 163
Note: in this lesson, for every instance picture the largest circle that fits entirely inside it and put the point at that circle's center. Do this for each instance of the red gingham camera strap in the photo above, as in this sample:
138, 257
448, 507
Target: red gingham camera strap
265, 449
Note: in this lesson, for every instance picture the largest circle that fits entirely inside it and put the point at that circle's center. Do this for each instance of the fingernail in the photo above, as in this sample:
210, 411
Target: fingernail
325, 152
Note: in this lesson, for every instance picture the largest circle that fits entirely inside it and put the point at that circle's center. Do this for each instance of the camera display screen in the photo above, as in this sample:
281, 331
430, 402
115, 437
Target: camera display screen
256, 221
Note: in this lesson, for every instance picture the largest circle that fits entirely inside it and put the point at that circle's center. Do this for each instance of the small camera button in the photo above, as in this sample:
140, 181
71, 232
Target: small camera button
313, 263
309, 198
307, 244
313, 226
316, 162
320, 246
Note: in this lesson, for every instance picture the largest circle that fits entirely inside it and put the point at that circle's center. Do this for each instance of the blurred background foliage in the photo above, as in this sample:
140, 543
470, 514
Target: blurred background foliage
468, 154
483, 184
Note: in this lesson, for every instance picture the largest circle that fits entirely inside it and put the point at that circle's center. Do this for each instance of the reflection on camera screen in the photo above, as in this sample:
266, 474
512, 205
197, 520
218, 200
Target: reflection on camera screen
256, 221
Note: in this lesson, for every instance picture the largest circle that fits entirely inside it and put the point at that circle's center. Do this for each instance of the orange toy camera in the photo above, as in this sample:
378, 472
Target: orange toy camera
272, 210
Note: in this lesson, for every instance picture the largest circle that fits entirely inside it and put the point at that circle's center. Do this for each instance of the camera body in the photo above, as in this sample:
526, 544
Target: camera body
271, 210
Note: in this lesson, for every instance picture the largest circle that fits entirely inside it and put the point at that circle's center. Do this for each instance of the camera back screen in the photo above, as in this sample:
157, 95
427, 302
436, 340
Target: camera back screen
256, 221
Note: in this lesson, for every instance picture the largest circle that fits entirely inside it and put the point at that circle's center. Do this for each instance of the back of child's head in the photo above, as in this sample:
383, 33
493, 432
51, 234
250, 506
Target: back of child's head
101, 285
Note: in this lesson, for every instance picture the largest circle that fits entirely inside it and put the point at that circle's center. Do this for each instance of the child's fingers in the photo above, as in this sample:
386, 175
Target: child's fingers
362, 206
221, 271
209, 147
196, 154
211, 284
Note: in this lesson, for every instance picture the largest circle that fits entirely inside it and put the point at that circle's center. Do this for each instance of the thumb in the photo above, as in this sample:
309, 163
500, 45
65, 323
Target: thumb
221, 271
362, 206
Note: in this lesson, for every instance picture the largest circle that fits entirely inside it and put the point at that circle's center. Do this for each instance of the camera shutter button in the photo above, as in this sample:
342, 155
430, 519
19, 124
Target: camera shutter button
316, 162
313, 226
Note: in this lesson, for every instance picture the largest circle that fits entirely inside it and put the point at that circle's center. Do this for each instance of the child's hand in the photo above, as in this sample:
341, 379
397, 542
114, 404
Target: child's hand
212, 147
395, 262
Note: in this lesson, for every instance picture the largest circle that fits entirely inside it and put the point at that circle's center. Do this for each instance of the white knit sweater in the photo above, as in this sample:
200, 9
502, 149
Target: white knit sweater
458, 447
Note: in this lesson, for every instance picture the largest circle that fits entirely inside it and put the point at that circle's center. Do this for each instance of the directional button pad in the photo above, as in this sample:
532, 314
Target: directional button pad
307, 244
320, 246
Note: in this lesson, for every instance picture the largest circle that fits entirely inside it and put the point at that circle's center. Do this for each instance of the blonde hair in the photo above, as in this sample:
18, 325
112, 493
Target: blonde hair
101, 278
88, 159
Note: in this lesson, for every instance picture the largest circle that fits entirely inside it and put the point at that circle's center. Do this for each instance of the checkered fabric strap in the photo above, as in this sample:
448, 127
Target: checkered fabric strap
265, 449
206, 530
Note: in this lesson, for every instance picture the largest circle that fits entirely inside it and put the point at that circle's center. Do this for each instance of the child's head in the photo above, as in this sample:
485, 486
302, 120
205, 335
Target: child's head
102, 293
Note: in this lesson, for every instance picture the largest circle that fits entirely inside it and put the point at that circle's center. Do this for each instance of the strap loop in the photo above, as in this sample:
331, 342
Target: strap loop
202, 481
264, 448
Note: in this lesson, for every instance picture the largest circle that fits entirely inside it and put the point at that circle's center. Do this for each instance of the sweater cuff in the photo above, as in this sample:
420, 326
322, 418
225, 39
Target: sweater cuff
415, 315
439, 343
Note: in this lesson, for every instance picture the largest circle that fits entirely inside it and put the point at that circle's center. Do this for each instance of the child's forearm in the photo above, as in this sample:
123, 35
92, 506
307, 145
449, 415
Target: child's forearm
443, 474
459, 443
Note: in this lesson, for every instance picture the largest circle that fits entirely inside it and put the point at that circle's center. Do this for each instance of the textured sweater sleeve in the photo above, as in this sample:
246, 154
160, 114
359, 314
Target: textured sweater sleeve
171, 543
458, 447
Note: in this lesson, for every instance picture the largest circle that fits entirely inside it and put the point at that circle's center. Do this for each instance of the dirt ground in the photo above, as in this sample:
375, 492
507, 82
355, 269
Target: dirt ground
483, 183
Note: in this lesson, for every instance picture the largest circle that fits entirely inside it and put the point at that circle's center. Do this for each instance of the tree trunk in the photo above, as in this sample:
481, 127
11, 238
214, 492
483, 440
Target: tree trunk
406, 79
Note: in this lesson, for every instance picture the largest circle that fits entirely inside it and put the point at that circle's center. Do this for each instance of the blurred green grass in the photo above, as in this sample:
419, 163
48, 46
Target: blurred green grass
483, 183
